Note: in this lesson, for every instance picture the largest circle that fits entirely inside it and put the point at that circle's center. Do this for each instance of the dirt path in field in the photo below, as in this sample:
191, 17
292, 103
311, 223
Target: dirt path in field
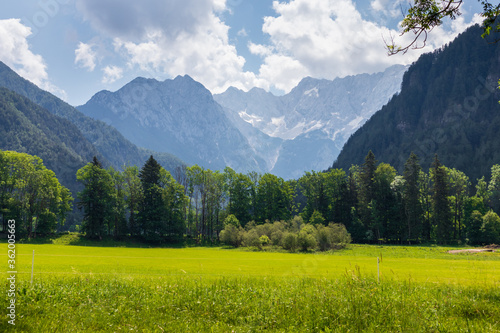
471, 251
488, 248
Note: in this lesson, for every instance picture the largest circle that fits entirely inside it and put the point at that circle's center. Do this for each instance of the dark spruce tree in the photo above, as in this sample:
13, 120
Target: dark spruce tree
413, 206
366, 189
442, 216
96, 199
151, 213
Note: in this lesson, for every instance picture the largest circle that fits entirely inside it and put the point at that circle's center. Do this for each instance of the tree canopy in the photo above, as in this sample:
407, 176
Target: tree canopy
424, 15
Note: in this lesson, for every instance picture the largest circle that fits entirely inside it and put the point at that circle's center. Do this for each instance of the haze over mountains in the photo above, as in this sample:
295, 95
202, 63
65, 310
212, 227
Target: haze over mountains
248, 131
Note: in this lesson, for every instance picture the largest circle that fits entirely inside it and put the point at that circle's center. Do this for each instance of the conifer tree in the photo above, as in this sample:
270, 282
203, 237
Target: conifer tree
442, 217
96, 198
413, 206
366, 189
150, 217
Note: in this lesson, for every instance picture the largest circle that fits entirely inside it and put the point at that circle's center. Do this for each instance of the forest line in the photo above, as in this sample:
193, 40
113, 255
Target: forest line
372, 201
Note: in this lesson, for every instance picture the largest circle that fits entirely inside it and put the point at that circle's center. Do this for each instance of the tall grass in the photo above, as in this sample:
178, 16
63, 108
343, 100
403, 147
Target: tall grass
174, 304
91, 289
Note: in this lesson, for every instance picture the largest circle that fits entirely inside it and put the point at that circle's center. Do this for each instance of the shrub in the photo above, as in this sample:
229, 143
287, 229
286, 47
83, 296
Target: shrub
334, 236
296, 223
250, 225
231, 235
491, 228
277, 230
251, 238
276, 237
306, 241
264, 240
289, 241
340, 237
264, 229
324, 238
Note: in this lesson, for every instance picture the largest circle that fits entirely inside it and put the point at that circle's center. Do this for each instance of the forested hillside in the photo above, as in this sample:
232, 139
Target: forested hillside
448, 105
117, 150
28, 128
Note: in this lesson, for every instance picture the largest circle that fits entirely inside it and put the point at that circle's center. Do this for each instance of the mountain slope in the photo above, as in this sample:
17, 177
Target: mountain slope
314, 120
28, 128
115, 149
176, 116
448, 105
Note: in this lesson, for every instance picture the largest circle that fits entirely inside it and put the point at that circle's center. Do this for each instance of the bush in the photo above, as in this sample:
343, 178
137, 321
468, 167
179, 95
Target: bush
289, 241
306, 238
231, 235
334, 236
491, 228
251, 238
277, 230
296, 223
264, 229
306, 241
264, 240
340, 237
324, 238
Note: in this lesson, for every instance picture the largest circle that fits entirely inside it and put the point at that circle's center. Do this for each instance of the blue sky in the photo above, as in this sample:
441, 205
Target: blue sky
75, 48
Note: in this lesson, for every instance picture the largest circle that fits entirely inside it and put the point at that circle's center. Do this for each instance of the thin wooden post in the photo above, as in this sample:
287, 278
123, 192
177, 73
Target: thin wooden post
378, 269
32, 265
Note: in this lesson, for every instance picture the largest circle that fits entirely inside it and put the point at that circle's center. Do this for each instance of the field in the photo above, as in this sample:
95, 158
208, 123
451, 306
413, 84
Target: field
118, 289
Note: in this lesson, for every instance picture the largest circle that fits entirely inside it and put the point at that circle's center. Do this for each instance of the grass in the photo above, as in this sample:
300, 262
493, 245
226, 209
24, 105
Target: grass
113, 289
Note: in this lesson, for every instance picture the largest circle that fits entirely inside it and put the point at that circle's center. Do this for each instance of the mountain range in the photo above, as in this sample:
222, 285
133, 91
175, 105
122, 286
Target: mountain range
248, 131
112, 147
309, 125
177, 116
447, 103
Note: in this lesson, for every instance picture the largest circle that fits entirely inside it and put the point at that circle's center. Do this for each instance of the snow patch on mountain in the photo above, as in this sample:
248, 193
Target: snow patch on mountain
317, 115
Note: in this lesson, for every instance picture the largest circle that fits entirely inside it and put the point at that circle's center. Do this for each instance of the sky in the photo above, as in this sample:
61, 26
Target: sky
75, 48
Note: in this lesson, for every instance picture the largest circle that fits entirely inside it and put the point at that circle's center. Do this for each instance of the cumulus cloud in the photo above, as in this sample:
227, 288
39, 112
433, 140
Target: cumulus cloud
391, 8
328, 39
133, 20
173, 37
112, 74
16, 54
242, 33
85, 56
319, 38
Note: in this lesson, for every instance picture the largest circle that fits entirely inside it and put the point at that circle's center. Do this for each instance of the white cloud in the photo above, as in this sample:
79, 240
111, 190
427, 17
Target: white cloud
318, 38
16, 54
391, 8
112, 74
133, 20
85, 56
328, 39
446, 33
243, 33
175, 38
259, 49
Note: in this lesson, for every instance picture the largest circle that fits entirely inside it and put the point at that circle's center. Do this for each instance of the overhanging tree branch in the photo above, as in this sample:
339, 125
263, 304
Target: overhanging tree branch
425, 15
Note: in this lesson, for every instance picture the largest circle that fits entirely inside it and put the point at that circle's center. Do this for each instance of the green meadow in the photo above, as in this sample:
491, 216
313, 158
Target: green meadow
214, 289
